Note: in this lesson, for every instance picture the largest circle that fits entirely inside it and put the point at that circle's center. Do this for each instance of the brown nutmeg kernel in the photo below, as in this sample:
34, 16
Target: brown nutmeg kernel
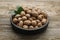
40, 17
24, 18
21, 23
34, 23
15, 20
39, 24
29, 11
25, 26
34, 18
44, 21
34, 13
31, 27
19, 19
39, 11
28, 15
16, 16
25, 8
22, 13
38, 21
36, 26
27, 22
30, 19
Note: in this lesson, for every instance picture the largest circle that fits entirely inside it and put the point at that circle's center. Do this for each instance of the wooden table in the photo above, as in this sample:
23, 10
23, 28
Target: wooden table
53, 30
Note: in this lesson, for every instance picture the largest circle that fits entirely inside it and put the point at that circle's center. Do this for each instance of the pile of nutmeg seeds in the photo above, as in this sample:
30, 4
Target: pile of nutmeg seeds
30, 18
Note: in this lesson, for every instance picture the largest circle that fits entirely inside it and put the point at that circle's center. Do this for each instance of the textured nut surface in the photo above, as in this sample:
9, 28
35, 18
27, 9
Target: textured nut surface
39, 24
21, 23
34, 13
38, 21
28, 15
29, 11
24, 18
34, 23
19, 19
27, 22
44, 20
31, 27
17, 15
40, 17
22, 13
15, 20
30, 19
25, 26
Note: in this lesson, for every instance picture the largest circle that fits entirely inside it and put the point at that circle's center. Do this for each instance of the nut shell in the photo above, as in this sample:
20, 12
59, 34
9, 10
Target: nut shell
34, 23
28, 15
27, 22
39, 24
22, 13
44, 21
15, 20
21, 23
25, 26
40, 17
24, 18
31, 27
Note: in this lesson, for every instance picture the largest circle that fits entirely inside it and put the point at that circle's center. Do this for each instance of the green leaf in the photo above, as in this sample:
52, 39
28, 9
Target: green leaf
19, 9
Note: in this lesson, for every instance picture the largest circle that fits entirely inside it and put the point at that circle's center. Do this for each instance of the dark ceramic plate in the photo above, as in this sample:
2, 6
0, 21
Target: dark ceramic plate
28, 31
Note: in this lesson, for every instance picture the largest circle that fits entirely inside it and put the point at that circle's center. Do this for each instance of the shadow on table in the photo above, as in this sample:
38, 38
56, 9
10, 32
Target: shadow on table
29, 37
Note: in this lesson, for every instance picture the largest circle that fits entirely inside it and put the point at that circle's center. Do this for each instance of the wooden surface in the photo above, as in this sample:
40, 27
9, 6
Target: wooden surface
53, 10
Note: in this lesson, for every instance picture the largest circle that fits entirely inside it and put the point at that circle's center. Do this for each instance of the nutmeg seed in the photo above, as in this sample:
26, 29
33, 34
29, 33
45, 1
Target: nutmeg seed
24, 18
34, 13
19, 19
31, 27
27, 22
29, 11
22, 13
25, 26
34, 23
21, 23
44, 21
40, 17
28, 15
15, 20
17, 15
39, 24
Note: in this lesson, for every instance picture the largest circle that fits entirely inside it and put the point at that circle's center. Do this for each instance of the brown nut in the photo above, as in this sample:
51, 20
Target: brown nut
31, 27
30, 19
39, 24
24, 18
27, 22
40, 17
21, 23
29, 11
22, 13
25, 8
15, 20
34, 23
28, 15
44, 21
19, 19
38, 21
33, 18
25, 26
39, 11
34, 13
17, 15
36, 26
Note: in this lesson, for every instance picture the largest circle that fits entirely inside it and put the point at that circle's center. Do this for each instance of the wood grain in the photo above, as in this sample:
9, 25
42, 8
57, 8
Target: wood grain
53, 30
